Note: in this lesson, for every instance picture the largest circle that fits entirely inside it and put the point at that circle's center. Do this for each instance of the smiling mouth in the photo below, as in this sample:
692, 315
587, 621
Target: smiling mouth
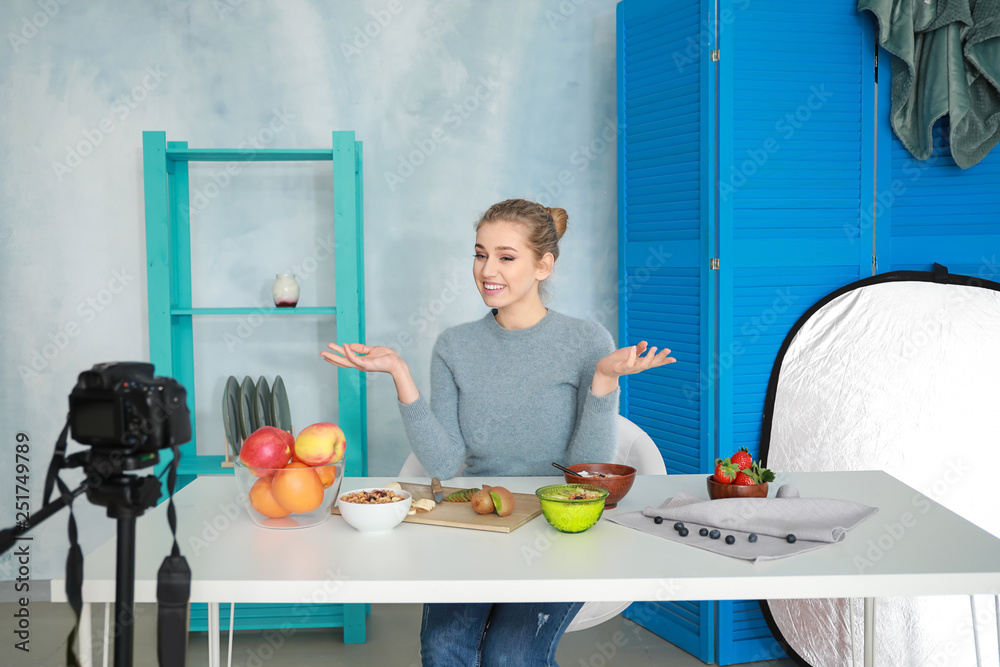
492, 288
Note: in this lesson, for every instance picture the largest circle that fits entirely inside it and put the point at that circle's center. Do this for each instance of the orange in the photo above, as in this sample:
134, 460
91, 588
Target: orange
297, 488
263, 500
327, 475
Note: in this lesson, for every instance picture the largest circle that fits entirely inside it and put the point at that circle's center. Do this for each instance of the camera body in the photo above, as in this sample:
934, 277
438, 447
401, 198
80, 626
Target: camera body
122, 406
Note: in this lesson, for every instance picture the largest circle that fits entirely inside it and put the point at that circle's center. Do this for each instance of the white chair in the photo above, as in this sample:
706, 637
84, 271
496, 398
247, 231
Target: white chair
636, 449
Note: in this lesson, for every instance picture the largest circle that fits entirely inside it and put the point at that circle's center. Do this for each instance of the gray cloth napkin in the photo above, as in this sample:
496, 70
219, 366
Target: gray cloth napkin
815, 522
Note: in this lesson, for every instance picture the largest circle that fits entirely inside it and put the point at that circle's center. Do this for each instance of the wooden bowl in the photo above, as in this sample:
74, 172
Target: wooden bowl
717, 491
618, 487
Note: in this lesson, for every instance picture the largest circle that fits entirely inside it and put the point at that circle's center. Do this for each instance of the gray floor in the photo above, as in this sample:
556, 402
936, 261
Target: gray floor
392, 640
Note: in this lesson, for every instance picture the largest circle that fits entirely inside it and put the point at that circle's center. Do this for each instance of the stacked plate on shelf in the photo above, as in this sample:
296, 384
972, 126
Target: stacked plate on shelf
248, 406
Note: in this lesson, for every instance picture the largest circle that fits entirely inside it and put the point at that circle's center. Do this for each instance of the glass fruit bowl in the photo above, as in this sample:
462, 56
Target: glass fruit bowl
296, 496
572, 508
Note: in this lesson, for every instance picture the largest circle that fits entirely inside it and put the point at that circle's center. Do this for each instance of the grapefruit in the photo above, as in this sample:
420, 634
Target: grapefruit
297, 488
263, 500
327, 475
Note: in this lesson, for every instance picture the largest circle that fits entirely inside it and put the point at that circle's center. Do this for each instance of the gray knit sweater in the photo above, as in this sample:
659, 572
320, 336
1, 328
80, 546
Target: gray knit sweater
509, 402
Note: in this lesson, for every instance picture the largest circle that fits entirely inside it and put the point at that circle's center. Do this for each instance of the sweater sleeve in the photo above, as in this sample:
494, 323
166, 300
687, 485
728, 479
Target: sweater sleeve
595, 434
433, 431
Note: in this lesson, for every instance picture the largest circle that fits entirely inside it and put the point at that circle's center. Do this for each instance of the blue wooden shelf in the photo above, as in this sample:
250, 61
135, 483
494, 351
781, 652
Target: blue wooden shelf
249, 310
171, 314
248, 155
204, 465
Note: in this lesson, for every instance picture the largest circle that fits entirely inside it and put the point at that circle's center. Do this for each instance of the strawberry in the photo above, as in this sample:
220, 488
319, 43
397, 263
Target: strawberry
743, 479
742, 459
725, 471
761, 474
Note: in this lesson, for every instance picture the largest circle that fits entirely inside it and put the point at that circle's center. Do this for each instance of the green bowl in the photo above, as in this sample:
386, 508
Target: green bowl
572, 508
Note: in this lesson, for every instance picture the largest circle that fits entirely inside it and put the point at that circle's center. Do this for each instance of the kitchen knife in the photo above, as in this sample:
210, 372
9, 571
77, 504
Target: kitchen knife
437, 490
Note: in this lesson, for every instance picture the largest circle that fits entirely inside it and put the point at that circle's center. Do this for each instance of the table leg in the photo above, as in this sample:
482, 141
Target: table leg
869, 632
232, 625
85, 647
850, 620
975, 630
213, 634
107, 634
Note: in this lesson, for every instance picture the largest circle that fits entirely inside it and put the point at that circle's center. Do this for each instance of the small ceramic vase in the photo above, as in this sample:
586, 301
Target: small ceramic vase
285, 290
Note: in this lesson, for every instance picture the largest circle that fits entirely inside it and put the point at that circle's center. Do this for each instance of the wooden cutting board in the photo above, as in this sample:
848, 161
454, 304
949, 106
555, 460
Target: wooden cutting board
461, 515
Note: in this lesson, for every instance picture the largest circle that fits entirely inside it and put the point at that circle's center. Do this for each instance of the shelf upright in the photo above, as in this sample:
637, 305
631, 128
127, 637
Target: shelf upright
168, 271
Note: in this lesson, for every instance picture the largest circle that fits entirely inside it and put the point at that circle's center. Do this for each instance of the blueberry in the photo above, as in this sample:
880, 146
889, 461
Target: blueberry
678, 525
714, 534
703, 532
790, 538
683, 532
658, 520
753, 537
730, 539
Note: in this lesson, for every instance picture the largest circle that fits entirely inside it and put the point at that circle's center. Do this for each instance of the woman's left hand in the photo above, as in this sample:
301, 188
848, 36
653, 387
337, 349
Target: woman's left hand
626, 361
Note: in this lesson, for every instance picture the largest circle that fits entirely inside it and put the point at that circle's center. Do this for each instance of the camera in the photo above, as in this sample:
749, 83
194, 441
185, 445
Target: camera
122, 406
127, 415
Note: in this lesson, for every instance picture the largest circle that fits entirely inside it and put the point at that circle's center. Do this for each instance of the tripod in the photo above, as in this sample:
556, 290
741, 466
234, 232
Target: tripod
126, 497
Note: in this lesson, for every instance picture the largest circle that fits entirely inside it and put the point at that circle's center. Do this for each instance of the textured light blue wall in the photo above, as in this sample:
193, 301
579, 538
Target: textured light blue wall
459, 104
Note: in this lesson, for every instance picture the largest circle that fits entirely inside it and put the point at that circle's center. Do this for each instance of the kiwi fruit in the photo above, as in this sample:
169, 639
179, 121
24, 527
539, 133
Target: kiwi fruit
482, 502
503, 500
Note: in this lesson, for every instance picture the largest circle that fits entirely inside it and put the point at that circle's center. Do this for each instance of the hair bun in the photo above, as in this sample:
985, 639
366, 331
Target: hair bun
559, 219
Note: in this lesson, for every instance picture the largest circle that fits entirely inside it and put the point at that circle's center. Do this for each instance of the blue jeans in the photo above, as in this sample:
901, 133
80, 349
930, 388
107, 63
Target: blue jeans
489, 635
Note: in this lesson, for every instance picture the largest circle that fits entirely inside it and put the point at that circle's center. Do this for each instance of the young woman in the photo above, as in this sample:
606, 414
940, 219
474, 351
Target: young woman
510, 393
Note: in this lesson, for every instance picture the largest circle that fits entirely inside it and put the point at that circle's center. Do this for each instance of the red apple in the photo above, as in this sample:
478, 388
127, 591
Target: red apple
267, 447
319, 444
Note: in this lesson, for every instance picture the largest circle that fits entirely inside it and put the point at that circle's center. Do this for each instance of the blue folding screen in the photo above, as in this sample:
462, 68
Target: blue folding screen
759, 155
797, 127
665, 203
932, 211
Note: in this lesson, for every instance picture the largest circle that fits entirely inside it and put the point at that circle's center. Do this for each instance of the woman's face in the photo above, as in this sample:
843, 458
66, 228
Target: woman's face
505, 268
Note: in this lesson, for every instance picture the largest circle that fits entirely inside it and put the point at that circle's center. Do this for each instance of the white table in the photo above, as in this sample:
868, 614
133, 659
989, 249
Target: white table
938, 553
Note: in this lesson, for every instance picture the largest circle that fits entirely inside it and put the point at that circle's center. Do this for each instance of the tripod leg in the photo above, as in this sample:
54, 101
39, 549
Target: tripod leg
125, 591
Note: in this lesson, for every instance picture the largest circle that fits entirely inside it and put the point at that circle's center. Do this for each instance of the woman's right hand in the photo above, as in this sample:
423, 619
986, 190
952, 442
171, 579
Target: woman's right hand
377, 359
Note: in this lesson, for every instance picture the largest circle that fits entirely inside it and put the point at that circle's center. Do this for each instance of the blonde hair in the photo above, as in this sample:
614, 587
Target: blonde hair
545, 226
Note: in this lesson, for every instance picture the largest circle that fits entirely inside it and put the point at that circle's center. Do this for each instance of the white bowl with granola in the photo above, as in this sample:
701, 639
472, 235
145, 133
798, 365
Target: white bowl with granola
374, 510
